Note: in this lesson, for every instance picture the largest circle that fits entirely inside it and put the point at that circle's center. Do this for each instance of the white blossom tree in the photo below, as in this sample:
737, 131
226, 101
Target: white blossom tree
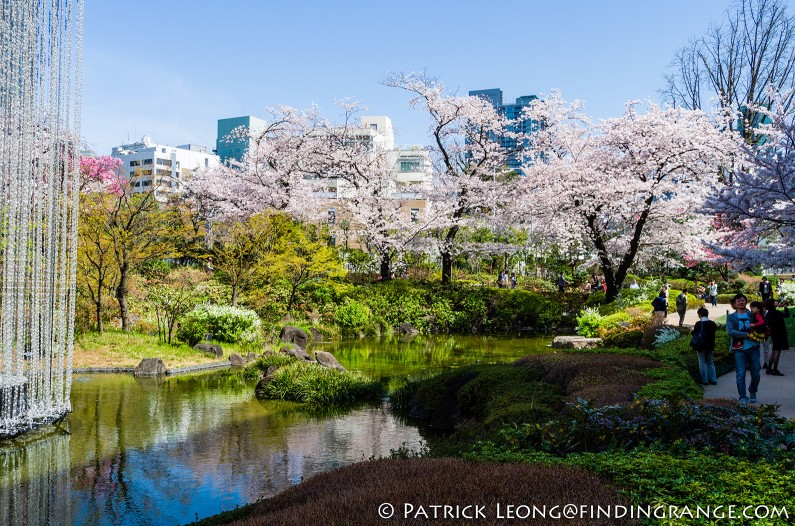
755, 214
469, 160
631, 186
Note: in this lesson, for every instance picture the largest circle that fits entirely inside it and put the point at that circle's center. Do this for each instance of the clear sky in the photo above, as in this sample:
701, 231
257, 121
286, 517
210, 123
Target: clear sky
171, 68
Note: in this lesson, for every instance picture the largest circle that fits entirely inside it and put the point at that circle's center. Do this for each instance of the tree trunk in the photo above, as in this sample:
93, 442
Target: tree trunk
121, 296
234, 294
292, 297
99, 313
447, 268
386, 270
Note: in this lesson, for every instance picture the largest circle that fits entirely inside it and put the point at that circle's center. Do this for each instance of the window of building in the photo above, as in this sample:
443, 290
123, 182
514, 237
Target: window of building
146, 183
332, 216
135, 163
132, 174
144, 172
162, 171
410, 166
147, 161
163, 162
374, 127
415, 215
162, 150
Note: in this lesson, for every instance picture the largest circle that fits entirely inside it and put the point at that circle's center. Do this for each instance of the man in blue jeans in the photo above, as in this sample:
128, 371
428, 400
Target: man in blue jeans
747, 356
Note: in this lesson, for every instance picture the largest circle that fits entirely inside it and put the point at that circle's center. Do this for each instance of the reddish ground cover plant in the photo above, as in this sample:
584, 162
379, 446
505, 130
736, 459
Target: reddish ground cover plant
604, 379
352, 495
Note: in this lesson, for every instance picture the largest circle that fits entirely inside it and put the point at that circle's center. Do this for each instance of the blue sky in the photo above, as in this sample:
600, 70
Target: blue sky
170, 69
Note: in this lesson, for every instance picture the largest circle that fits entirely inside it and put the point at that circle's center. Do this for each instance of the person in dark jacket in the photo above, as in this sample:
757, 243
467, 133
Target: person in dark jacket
706, 351
765, 289
660, 306
778, 334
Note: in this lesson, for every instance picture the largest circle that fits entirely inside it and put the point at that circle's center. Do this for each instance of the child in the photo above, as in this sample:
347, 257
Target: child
757, 331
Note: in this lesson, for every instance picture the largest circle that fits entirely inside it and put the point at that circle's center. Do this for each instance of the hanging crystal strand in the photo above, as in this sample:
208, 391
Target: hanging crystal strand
40, 72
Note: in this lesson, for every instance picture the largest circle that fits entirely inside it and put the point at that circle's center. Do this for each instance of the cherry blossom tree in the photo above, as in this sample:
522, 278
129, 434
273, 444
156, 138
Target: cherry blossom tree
631, 186
468, 158
755, 214
101, 174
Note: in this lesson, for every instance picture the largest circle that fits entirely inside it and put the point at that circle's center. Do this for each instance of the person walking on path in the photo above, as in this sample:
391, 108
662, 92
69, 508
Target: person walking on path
765, 289
681, 306
778, 334
705, 346
746, 354
660, 306
713, 292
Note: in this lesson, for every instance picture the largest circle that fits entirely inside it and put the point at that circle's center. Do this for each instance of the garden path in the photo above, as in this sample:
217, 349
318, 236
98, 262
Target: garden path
772, 389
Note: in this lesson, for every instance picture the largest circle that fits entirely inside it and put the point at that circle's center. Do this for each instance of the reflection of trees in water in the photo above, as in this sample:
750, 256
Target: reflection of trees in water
393, 356
164, 451
26, 496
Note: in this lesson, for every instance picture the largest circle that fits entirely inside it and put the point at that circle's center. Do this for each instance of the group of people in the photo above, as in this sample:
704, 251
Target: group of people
506, 281
758, 335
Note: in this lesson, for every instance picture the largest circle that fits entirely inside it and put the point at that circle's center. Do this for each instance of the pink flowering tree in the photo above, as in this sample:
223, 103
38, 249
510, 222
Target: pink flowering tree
631, 187
101, 174
468, 160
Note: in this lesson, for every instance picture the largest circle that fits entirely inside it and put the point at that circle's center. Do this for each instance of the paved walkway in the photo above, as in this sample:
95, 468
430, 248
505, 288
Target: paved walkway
772, 389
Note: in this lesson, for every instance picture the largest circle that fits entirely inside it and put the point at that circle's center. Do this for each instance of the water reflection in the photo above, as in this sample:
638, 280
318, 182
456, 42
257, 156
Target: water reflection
165, 452
172, 450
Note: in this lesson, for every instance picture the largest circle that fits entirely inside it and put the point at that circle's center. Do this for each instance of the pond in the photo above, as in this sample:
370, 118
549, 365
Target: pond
177, 449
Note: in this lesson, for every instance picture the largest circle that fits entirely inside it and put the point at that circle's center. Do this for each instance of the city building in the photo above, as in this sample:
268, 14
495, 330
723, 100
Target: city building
233, 137
411, 171
514, 113
161, 168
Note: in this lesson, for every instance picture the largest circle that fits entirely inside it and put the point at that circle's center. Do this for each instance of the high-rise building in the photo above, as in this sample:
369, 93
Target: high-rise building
160, 168
515, 113
234, 136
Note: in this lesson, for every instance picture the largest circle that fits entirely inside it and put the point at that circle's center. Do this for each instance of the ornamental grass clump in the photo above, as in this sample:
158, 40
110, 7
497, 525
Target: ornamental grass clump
310, 383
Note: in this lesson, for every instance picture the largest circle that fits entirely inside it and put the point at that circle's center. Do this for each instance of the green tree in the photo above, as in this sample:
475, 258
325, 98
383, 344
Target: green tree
174, 297
97, 270
299, 254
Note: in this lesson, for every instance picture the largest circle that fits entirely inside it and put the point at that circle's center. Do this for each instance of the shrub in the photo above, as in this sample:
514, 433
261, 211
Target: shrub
588, 322
624, 339
681, 426
786, 292
308, 382
260, 366
352, 315
666, 334
365, 486
227, 324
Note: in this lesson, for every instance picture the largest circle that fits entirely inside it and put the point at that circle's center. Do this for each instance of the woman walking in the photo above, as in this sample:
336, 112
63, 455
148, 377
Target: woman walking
778, 335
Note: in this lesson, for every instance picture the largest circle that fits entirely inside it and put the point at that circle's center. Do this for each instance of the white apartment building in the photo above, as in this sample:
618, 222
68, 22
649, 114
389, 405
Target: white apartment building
161, 168
411, 163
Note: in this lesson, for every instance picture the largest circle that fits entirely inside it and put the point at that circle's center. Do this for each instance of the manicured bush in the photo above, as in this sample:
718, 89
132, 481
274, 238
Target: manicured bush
225, 323
588, 322
310, 383
680, 426
624, 339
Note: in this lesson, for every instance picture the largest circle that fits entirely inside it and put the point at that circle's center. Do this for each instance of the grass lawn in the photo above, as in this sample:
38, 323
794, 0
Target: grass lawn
115, 348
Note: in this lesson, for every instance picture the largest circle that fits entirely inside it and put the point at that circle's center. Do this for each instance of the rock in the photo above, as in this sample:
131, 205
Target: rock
294, 335
297, 352
575, 342
326, 359
265, 354
317, 336
259, 391
407, 329
236, 360
210, 348
250, 357
150, 367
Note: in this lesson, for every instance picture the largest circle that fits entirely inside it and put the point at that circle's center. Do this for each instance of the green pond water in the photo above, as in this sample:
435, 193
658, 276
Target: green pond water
177, 449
